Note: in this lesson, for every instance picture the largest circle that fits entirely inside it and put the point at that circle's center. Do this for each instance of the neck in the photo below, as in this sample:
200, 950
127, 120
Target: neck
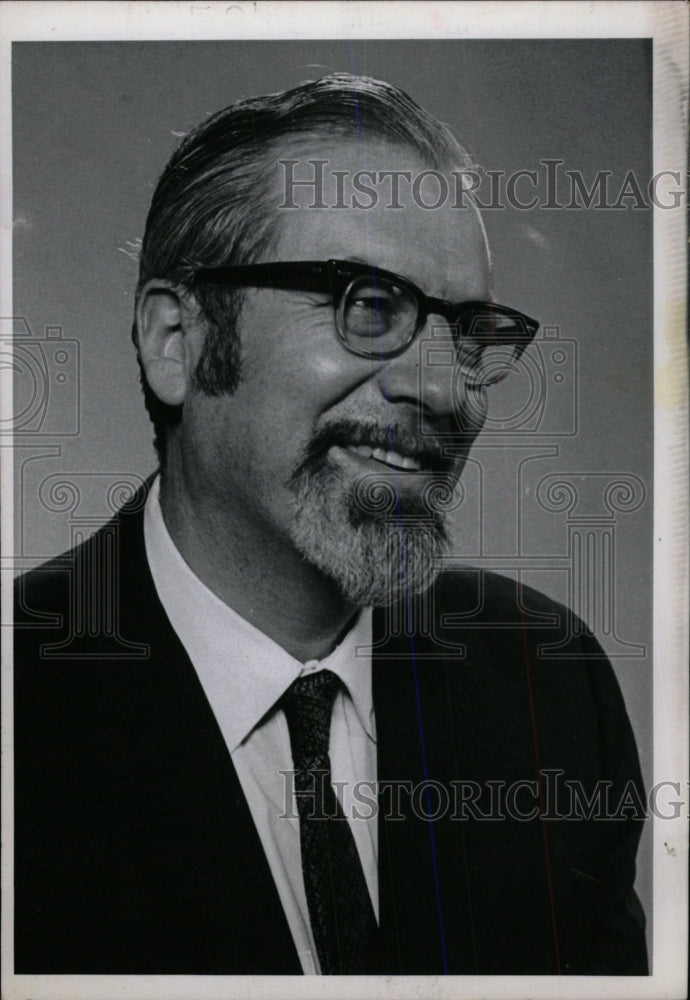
260, 577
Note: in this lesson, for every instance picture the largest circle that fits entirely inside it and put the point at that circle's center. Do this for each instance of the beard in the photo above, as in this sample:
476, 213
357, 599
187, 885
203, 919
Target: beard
376, 543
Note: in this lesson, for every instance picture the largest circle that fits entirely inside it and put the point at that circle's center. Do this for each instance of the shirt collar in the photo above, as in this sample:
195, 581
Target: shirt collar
243, 672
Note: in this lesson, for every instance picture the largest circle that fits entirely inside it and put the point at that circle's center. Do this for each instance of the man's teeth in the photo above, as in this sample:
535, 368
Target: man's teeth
391, 458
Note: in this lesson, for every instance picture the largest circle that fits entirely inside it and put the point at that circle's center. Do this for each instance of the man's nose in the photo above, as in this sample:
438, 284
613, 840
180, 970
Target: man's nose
427, 375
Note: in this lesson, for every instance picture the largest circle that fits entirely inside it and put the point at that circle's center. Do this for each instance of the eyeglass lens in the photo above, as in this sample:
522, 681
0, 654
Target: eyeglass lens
376, 316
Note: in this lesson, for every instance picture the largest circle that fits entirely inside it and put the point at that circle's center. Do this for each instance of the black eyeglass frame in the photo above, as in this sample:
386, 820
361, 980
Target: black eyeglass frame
336, 276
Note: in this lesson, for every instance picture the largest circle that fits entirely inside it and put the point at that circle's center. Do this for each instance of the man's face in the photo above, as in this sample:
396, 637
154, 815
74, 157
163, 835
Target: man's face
295, 455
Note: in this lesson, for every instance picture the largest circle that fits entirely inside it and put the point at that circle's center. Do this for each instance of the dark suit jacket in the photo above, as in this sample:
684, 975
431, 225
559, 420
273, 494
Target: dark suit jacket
135, 849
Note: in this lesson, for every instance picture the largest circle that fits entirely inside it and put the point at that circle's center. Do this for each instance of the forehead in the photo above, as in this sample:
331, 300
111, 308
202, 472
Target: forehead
380, 204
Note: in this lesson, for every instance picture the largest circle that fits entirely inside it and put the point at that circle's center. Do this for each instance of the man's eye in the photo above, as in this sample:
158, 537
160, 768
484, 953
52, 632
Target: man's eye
374, 304
370, 315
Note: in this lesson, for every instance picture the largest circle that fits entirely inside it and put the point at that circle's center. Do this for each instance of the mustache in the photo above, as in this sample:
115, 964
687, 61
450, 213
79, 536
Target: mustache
426, 449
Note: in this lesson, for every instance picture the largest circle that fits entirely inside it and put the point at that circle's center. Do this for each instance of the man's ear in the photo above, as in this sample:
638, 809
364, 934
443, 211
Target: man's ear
169, 340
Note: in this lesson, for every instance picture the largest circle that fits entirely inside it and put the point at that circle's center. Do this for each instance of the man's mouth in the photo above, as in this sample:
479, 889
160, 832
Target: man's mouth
394, 447
392, 459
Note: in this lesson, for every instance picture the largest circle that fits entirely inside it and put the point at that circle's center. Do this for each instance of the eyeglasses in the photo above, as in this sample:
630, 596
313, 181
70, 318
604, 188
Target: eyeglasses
378, 313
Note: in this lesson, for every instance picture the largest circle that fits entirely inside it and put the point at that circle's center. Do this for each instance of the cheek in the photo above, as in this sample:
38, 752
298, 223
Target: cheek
306, 363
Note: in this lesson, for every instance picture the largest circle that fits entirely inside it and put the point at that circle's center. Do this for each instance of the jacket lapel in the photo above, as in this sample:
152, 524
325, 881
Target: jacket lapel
220, 885
425, 924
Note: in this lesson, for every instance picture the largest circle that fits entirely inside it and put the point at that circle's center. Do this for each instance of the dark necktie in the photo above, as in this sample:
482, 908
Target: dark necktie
340, 911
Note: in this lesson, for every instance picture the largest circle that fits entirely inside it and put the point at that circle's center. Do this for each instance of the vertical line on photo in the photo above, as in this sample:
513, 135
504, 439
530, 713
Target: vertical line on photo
535, 742
425, 771
461, 829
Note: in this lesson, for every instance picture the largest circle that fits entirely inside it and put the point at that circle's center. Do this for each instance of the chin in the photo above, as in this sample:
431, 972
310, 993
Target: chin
374, 554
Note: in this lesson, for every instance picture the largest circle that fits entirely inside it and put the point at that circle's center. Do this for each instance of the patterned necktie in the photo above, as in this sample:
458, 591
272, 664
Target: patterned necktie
340, 911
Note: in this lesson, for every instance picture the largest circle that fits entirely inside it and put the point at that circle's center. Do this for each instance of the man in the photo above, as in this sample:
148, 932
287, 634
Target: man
246, 769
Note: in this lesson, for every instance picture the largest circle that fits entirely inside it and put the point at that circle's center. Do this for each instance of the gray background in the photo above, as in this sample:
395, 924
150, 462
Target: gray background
93, 125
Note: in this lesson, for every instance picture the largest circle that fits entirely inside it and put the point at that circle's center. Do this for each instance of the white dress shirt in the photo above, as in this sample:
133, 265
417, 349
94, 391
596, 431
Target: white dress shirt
244, 674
